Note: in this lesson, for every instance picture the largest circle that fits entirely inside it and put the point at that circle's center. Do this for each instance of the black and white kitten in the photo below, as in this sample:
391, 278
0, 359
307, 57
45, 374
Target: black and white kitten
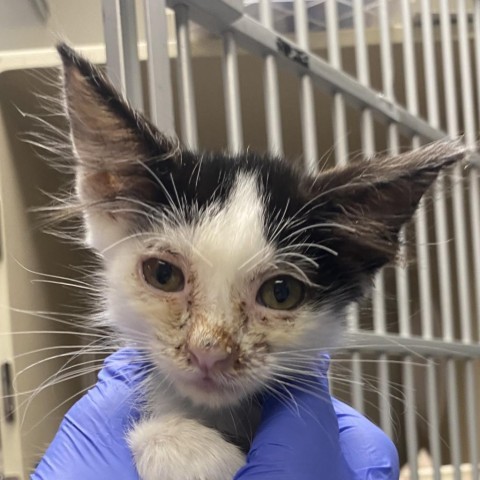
223, 267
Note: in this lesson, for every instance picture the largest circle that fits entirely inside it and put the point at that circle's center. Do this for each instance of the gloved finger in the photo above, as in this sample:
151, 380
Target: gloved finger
298, 436
367, 449
90, 443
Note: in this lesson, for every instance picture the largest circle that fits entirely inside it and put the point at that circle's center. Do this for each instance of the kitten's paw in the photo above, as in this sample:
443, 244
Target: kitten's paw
176, 448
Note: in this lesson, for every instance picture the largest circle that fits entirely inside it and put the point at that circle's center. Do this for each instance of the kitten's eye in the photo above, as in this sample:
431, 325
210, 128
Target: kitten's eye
163, 275
281, 293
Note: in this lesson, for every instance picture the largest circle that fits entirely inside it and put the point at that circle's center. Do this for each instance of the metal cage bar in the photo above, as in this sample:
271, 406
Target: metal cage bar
186, 95
412, 106
470, 139
307, 100
271, 93
231, 85
340, 135
433, 115
123, 67
158, 64
392, 145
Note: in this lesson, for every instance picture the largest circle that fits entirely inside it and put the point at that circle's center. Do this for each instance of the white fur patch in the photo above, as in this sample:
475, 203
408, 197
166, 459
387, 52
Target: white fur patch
102, 231
229, 241
177, 448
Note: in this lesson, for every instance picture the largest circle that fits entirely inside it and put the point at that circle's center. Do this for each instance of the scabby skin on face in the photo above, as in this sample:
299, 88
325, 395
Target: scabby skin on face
229, 272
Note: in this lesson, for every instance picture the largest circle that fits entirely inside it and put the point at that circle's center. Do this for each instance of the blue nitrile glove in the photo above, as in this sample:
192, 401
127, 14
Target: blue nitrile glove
90, 444
322, 439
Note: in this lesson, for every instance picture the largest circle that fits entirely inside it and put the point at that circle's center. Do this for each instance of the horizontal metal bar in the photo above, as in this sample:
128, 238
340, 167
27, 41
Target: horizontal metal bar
261, 40
398, 345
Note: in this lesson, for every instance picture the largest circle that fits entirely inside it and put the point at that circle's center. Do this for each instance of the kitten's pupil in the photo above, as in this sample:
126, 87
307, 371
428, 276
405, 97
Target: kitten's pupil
163, 272
281, 290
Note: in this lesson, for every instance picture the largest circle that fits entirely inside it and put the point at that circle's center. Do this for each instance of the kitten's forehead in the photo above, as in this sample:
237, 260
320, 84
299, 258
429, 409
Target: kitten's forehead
229, 235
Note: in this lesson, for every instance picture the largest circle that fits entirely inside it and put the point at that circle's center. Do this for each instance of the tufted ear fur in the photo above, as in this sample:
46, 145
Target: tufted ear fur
113, 145
370, 201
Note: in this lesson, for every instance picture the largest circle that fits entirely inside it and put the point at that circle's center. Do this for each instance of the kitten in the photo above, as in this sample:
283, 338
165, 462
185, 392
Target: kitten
223, 267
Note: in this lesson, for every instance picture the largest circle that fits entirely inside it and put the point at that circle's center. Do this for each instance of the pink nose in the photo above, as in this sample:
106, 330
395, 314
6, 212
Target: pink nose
210, 358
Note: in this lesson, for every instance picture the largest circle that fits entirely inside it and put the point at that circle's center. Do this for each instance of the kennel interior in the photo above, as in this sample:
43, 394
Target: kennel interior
323, 82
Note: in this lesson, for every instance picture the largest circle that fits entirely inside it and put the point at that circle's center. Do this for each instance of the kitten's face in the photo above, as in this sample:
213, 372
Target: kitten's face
221, 295
231, 272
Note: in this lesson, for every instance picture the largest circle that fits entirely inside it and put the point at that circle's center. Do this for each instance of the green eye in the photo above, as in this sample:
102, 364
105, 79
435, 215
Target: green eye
281, 293
163, 275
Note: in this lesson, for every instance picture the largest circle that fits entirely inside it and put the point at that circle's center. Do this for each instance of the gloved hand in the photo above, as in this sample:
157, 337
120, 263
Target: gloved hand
320, 439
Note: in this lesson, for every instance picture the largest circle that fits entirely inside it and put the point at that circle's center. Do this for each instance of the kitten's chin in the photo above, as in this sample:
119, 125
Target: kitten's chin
206, 392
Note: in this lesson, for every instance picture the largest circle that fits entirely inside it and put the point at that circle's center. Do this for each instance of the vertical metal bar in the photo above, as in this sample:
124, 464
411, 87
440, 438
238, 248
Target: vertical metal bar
424, 271
368, 146
339, 111
421, 216
410, 417
232, 93
466, 74
433, 419
429, 64
460, 238
475, 194
442, 242
476, 23
440, 204
448, 68
409, 59
159, 80
363, 75
405, 329
470, 138
379, 305
341, 158
307, 100
271, 93
188, 114
460, 228
123, 66
453, 418
458, 199
386, 53
472, 414
358, 400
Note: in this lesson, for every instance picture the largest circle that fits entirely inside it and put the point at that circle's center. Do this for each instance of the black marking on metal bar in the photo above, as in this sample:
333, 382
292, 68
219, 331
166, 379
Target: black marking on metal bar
293, 53
7, 389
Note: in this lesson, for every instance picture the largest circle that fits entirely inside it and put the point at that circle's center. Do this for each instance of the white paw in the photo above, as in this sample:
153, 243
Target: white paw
176, 448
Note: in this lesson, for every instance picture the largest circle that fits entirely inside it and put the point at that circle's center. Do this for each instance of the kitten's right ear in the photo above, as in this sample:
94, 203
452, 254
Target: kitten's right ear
114, 147
112, 142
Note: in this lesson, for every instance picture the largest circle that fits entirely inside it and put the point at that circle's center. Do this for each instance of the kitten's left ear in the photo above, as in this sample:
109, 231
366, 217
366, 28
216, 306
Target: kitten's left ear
370, 201
112, 142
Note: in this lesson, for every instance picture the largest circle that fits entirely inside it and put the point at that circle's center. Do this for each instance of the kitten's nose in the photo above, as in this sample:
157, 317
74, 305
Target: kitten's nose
215, 357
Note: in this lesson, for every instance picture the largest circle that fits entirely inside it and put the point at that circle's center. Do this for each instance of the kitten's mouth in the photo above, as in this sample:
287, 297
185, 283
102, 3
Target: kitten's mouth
206, 383
207, 389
